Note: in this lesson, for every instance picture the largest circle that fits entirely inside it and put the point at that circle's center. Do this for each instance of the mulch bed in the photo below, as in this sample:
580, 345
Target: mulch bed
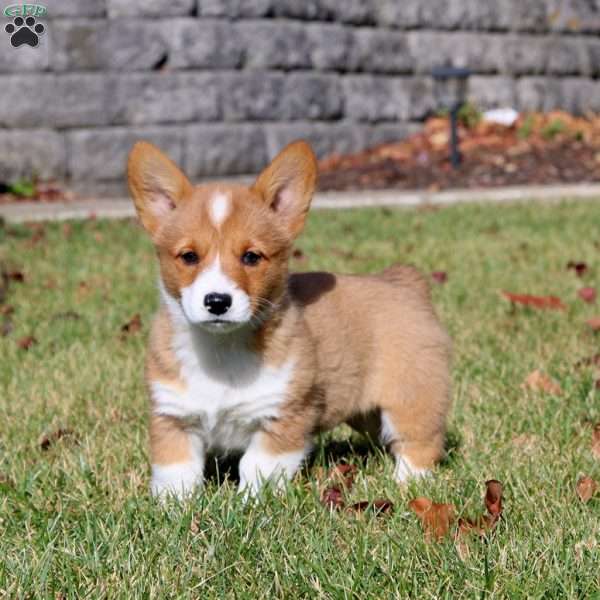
538, 149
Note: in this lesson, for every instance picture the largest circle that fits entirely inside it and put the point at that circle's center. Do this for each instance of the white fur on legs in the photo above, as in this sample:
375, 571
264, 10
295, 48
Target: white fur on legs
404, 469
257, 466
179, 479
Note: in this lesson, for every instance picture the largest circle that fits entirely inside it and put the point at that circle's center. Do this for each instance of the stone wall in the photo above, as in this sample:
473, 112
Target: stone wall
222, 84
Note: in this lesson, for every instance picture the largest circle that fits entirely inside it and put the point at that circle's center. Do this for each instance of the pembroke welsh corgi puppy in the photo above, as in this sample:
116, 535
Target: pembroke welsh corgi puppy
245, 357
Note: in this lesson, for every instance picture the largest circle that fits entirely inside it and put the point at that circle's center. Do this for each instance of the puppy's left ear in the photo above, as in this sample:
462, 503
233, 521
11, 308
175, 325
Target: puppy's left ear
288, 183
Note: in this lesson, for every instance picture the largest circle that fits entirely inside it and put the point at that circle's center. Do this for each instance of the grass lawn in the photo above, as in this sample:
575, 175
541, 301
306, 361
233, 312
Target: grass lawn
75, 515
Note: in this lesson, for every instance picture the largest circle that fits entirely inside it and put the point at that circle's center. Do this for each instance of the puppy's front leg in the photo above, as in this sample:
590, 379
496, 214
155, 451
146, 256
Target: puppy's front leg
270, 458
177, 458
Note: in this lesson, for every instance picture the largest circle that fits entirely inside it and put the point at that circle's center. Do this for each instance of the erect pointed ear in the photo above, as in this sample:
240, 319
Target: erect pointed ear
156, 184
288, 183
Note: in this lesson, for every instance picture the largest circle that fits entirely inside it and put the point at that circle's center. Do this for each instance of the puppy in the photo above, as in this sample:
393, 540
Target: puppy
245, 357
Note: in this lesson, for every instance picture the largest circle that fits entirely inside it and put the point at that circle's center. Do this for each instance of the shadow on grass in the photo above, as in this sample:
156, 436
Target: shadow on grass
327, 453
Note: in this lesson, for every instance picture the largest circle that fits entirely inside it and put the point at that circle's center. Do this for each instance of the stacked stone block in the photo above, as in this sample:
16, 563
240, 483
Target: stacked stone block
223, 84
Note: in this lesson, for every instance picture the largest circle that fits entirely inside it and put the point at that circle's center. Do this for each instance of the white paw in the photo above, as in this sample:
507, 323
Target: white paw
404, 470
178, 480
257, 467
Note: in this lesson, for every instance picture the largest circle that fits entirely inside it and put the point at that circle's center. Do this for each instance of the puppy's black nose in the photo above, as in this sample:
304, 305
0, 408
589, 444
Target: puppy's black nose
217, 304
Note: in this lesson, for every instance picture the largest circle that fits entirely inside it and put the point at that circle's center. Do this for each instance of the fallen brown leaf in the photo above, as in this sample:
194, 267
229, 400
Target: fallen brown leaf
343, 473
493, 504
332, 498
586, 488
132, 326
26, 342
587, 294
539, 381
578, 266
493, 500
46, 441
439, 277
435, 518
17, 276
549, 302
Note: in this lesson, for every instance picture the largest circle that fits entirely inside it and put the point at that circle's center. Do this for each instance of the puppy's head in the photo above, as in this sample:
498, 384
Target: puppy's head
223, 249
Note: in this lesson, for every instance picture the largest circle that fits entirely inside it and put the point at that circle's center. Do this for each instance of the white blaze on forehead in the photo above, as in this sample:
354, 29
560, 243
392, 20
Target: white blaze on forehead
220, 204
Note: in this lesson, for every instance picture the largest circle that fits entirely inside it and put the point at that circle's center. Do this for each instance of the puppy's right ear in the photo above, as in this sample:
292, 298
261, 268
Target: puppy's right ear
156, 184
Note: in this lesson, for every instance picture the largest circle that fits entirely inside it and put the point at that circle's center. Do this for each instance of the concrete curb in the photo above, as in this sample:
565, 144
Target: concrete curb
123, 208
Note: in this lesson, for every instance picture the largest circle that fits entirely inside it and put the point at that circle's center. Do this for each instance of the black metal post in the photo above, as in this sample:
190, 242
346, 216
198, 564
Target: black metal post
455, 157
449, 88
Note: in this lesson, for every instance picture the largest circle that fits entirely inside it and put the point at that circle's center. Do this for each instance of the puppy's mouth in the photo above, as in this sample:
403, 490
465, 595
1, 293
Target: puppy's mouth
220, 325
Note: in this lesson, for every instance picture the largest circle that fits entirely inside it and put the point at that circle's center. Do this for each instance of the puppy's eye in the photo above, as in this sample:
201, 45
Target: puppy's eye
250, 258
189, 258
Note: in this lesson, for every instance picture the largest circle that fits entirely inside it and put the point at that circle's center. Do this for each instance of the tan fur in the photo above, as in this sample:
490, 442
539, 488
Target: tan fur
168, 441
361, 345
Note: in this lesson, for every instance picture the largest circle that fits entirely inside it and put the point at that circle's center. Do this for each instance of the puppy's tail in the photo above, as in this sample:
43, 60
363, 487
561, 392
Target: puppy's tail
408, 276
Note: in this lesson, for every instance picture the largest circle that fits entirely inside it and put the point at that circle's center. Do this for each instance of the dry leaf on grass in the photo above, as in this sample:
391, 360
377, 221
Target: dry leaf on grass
493, 500
17, 276
439, 277
333, 498
540, 382
493, 504
343, 473
46, 441
544, 302
26, 342
578, 266
586, 488
132, 326
436, 518
341, 479
587, 294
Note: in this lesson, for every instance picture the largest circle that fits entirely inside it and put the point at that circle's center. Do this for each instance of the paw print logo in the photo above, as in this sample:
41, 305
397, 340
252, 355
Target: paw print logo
24, 31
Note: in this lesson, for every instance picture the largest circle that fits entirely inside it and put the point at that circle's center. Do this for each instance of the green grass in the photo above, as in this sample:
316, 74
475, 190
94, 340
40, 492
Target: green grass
77, 522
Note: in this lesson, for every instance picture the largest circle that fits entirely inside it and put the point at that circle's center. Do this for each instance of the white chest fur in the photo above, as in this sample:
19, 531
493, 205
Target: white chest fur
229, 393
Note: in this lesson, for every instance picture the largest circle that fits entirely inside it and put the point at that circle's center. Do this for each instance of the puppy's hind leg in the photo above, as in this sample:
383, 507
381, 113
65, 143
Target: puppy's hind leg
414, 427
